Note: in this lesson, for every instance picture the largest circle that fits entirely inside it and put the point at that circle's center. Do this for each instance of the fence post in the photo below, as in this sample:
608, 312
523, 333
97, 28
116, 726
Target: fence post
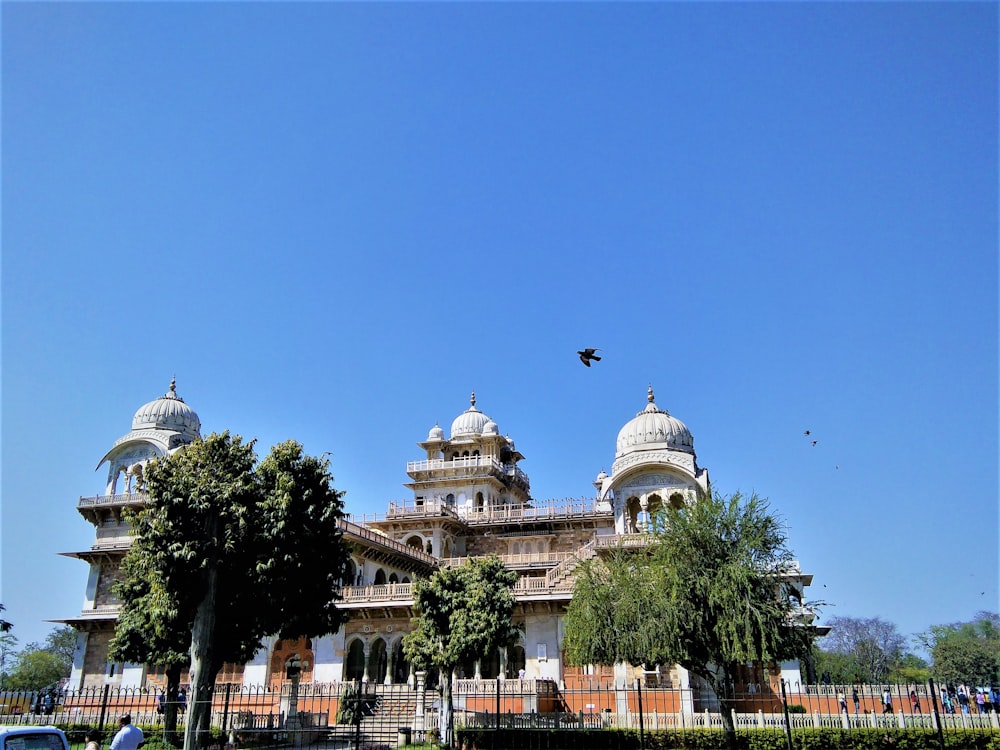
225, 709
937, 715
788, 721
638, 689
357, 714
104, 707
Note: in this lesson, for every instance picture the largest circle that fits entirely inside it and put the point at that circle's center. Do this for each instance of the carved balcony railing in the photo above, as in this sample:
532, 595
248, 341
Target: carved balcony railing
134, 498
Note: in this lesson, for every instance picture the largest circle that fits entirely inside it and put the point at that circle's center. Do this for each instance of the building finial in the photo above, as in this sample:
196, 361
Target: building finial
173, 384
649, 394
472, 400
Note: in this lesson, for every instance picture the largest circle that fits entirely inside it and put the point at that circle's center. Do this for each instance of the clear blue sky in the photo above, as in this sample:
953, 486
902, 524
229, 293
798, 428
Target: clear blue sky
331, 222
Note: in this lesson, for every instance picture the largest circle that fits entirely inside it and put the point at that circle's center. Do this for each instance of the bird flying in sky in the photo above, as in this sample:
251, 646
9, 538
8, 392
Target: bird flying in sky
589, 354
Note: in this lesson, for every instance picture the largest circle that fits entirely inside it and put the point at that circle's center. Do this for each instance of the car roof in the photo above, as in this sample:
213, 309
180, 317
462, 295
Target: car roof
28, 729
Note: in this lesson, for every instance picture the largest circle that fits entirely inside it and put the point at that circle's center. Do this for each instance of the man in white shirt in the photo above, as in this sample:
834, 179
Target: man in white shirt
129, 736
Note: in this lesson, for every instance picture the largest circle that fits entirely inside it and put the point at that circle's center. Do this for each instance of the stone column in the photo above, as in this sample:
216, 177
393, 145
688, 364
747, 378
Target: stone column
419, 724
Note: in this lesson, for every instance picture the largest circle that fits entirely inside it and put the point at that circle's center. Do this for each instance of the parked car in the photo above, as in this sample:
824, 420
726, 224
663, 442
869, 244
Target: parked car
32, 738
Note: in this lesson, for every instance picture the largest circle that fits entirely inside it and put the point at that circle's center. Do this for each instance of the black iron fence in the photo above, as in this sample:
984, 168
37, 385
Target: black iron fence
495, 714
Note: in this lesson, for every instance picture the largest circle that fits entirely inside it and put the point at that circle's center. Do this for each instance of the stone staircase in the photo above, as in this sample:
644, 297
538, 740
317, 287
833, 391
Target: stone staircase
390, 711
564, 570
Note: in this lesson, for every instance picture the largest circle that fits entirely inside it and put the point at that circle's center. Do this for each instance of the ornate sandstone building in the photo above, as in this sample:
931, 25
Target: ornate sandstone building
469, 498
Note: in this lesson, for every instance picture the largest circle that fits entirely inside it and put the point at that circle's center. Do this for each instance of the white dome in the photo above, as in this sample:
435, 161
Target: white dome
654, 428
436, 433
490, 428
168, 412
469, 422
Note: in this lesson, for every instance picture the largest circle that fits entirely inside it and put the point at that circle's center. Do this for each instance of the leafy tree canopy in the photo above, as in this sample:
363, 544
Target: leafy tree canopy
708, 594
463, 614
966, 652
40, 666
227, 551
860, 649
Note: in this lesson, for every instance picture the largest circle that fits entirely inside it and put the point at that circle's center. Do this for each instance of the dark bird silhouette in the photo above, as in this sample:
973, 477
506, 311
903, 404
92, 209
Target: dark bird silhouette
815, 442
589, 354
807, 432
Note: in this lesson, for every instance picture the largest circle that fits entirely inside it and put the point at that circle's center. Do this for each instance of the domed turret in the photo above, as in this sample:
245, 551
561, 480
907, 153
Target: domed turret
469, 422
168, 412
654, 428
435, 434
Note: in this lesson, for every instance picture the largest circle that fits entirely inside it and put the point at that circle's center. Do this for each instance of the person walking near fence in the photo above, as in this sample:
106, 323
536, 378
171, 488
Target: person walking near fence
842, 699
980, 702
914, 702
856, 699
963, 700
886, 701
129, 736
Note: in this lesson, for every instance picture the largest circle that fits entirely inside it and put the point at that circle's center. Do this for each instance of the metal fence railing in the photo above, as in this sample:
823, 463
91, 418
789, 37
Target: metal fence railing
355, 714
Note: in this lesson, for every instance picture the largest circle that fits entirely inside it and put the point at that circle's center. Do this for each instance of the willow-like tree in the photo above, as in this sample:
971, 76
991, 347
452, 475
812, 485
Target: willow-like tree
233, 550
463, 614
707, 594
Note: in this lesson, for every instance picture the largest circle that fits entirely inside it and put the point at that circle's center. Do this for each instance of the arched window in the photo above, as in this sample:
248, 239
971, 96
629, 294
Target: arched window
677, 501
350, 574
632, 510
415, 541
479, 501
393, 578
379, 577
450, 499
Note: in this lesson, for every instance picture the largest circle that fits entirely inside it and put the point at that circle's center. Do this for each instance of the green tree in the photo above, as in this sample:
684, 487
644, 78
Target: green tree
61, 642
36, 668
707, 594
911, 669
151, 630
241, 550
966, 652
8, 649
860, 649
463, 614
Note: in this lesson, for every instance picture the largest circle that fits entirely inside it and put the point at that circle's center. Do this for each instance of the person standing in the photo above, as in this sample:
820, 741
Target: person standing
93, 738
129, 736
856, 699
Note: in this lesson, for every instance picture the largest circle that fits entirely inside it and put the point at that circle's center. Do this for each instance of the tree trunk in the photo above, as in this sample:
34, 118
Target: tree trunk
445, 729
204, 666
726, 703
170, 704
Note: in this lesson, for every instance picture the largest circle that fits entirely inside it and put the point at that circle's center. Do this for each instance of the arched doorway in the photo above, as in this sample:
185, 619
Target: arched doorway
400, 666
297, 652
515, 661
489, 667
354, 669
378, 661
